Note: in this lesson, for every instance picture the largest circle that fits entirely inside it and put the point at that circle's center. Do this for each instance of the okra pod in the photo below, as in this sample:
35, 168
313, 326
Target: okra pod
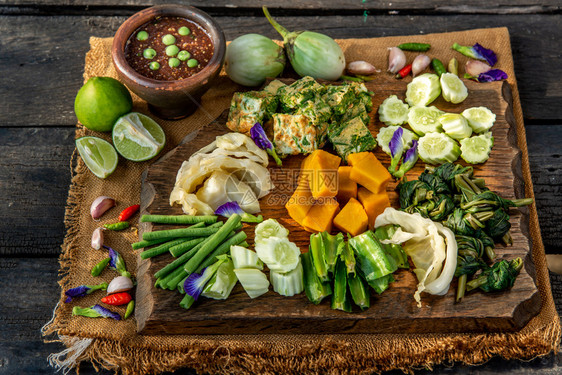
314, 289
318, 254
340, 298
359, 291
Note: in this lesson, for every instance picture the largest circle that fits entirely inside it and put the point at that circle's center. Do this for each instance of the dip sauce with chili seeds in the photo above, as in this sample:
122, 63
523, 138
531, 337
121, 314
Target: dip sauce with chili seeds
196, 42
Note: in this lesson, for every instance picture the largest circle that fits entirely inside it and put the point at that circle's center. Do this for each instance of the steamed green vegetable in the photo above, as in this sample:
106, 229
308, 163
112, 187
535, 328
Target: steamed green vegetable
372, 260
310, 53
252, 58
340, 297
315, 289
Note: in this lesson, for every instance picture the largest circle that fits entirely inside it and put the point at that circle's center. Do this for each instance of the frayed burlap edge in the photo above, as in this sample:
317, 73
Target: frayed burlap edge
328, 357
332, 354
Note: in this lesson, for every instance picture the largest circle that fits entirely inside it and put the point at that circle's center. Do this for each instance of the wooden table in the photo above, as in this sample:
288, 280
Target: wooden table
43, 43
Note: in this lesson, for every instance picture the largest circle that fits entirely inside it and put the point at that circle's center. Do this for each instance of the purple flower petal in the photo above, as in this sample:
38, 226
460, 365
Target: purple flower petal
113, 255
105, 312
486, 54
79, 291
396, 145
259, 137
492, 75
192, 286
411, 155
228, 209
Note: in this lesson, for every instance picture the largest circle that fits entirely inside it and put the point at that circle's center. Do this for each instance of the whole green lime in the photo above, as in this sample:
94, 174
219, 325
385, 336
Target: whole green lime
100, 102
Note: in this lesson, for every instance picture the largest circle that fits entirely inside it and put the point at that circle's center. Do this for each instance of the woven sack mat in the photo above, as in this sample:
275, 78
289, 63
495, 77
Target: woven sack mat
115, 345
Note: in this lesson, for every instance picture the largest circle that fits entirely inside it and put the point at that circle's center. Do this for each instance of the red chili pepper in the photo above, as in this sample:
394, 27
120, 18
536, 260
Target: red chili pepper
117, 299
128, 212
404, 71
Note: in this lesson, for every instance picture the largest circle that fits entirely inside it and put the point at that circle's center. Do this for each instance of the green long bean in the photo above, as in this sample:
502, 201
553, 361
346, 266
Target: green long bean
182, 232
149, 253
222, 249
180, 249
178, 219
216, 239
141, 244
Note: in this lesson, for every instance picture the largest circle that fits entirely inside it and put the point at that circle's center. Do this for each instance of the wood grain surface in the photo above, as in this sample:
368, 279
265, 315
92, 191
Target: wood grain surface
395, 310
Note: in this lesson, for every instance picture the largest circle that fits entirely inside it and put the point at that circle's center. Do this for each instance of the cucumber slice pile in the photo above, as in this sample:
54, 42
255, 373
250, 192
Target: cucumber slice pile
393, 111
455, 126
424, 120
438, 148
477, 149
480, 119
386, 133
452, 88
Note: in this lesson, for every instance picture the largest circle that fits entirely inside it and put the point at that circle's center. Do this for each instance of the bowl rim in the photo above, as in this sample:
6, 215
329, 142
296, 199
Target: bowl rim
191, 13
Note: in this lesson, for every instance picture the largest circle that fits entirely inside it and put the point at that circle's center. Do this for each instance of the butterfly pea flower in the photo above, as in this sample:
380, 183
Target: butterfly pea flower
230, 208
195, 283
95, 311
396, 146
260, 138
492, 75
410, 159
477, 52
117, 262
83, 290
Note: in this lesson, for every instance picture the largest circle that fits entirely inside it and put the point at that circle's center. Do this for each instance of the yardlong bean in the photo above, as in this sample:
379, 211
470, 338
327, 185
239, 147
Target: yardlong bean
179, 219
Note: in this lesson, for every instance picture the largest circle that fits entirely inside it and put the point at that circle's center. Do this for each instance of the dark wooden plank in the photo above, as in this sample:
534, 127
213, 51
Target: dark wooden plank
34, 180
22, 350
46, 67
158, 310
453, 6
545, 159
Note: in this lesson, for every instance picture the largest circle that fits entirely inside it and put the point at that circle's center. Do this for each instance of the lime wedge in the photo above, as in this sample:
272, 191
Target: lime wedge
425, 119
423, 90
393, 111
386, 133
480, 119
455, 126
438, 148
477, 149
98, 155
452, 88
137, 137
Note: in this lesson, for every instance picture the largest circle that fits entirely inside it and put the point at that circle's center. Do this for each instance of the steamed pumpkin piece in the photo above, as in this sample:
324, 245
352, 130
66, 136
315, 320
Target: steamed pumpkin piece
322, 169
352, 218
300, 202
368, 171
374, 204
346, 187
320, 216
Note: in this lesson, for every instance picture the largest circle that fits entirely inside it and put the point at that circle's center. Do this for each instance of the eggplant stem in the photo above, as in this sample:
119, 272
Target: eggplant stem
280, 29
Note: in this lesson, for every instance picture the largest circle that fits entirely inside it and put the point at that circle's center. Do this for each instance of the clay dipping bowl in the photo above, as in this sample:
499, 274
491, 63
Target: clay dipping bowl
169, 99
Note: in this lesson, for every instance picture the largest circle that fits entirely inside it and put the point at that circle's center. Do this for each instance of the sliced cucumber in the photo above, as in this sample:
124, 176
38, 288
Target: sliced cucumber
288, 284
452, 88
279, 254
480, 119
425, 119
393, 111
455, 126
477, 149
423, 90
386, 133
438, 148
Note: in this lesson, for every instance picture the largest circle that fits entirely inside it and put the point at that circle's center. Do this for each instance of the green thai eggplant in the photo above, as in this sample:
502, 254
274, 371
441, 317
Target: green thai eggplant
311, 54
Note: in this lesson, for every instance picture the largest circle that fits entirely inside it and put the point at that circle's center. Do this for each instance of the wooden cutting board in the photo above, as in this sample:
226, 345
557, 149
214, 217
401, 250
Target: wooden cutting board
395, 311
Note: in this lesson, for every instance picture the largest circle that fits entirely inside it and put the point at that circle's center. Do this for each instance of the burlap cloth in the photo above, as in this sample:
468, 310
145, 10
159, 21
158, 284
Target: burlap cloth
115, 345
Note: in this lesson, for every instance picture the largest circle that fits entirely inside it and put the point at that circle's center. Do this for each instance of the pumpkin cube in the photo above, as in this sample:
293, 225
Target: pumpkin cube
346, 187
352, 218
300, 202
323, 174
320, 216
374, 204
368, 171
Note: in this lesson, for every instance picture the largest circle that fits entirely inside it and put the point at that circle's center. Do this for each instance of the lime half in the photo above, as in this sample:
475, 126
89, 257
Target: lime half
438, 148
477, 149
137, 137
480, 119
98, 155
453, 89
423, 90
